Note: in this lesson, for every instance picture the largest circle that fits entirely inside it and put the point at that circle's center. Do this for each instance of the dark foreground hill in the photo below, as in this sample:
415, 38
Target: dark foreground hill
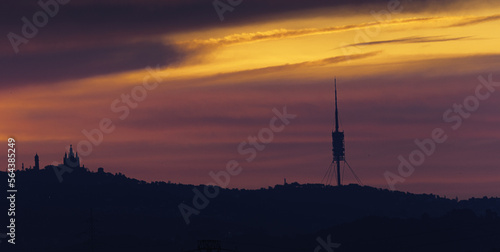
105, 212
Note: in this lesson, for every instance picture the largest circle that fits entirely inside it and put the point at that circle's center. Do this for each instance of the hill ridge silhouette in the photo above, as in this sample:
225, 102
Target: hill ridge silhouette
121, 206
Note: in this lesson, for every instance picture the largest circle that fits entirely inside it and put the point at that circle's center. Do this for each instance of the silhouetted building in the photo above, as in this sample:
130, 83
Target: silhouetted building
37, 163
100, 170
72, 160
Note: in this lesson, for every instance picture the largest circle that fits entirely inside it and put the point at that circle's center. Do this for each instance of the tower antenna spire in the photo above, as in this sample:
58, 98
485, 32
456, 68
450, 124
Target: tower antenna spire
336, 109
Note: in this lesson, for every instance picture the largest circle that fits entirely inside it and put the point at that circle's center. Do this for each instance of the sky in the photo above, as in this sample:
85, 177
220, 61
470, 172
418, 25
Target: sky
176, 88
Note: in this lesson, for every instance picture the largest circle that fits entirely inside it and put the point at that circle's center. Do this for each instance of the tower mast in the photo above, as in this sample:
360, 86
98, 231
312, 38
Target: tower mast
337, 131
336, 109
337, 141
338, 149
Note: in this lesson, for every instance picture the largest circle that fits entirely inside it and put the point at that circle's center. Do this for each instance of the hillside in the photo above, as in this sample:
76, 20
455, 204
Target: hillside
131, 215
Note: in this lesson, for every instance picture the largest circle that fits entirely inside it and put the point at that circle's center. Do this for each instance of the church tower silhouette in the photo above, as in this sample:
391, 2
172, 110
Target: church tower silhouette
71, 160
37, 163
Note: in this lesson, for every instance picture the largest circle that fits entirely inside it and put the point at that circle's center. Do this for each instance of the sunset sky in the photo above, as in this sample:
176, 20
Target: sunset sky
400, 65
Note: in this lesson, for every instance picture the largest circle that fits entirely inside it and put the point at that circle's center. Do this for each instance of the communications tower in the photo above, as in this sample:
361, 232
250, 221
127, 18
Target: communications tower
338, 149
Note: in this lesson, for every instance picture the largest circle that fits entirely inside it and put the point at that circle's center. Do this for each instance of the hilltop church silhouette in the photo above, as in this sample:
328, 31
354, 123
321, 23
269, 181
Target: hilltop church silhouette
70, 160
